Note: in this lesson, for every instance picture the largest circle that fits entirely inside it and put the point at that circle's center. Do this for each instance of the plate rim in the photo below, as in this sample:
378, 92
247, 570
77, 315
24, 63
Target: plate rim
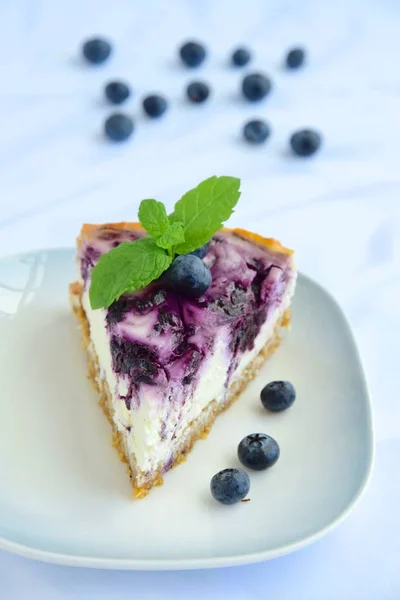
177, 564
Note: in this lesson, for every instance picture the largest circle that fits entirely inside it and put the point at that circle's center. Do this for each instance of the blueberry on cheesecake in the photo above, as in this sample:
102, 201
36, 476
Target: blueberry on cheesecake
177, 315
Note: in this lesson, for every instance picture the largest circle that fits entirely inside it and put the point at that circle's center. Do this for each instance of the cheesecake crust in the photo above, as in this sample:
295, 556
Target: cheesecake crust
89, 232
198, 429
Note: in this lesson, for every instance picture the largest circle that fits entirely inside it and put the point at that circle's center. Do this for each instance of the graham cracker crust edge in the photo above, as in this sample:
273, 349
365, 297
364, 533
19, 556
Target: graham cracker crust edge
197, 429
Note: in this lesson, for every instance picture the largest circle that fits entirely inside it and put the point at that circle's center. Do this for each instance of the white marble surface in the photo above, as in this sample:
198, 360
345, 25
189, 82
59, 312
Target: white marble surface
341, 211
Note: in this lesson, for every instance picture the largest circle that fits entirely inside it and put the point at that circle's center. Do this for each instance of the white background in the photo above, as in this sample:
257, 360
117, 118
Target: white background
340, 210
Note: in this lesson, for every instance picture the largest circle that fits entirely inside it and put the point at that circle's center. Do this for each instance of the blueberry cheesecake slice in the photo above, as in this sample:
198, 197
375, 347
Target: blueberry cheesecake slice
177, 315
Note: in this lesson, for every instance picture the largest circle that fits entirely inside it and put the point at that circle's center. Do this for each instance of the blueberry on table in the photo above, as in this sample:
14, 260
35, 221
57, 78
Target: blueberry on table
118, 127
155, 106
278, 396
241, 57
256, 131
117, 92
96, 50
201, 252
230, 486
188, 274
192, 53
256, 86
258, 451
305, 142
197, 91
295, 58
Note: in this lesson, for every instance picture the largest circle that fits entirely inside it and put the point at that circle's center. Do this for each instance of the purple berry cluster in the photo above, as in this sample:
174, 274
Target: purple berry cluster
255, 87
257, 451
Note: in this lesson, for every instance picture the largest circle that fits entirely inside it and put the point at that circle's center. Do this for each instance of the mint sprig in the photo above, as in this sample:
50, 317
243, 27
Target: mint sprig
196, 217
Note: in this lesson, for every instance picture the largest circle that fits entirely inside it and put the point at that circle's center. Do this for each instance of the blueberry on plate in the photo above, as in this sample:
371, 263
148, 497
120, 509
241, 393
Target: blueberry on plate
117, 92
201, 252
192, 53
96, 50
230, 486
155, 106
256, 86
188, 274
295, 58
258, 451
241, 57
256, 131
305, 142
278, 395
118, 127
197, 91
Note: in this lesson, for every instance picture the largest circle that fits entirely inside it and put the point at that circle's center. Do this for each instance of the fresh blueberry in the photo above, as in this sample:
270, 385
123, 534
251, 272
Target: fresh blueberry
188, 274
258, 451
118, 127
192, 53
305, 142
240, 57
155, 106
96, 50
230, 486
278, 395
256, 132
256, 86
295, 58
201, 252
117, 92
197, 91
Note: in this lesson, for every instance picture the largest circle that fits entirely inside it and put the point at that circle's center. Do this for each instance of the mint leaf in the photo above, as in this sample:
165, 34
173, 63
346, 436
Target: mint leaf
129, 267
171, 237
153, 217
203, 210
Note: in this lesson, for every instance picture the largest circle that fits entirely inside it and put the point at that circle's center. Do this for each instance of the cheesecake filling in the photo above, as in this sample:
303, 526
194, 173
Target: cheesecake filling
165, 358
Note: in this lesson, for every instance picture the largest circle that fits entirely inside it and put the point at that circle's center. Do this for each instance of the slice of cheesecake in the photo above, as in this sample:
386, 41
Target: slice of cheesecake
166, 365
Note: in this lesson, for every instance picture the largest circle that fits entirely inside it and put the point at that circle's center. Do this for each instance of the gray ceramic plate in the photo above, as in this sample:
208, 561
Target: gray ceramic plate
66, 498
